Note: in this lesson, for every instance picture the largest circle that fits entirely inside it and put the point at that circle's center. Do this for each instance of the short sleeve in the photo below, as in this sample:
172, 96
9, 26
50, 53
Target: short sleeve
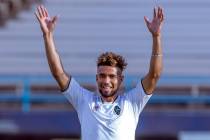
76, 94
137, 98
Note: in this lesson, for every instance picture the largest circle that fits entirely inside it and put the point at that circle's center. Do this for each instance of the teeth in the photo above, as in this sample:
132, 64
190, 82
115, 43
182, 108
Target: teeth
106, 87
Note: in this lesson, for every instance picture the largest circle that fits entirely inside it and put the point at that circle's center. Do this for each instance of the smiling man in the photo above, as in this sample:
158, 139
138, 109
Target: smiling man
109, 76
107, 115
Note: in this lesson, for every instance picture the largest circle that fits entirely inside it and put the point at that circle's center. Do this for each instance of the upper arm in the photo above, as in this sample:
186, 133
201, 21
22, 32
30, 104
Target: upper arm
63, 81
149, 83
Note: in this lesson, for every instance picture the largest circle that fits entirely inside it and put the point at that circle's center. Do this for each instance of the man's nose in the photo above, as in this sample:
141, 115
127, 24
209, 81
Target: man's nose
107, 79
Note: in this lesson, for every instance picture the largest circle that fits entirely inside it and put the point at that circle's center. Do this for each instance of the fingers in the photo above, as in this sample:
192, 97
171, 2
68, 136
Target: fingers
146, 21
162, 18
55, 18
157, 15
160, 14
37, 15
46, 12
154, 14
41, 12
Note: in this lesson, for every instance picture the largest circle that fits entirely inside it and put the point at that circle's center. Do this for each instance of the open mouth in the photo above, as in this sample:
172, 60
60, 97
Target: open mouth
106, 87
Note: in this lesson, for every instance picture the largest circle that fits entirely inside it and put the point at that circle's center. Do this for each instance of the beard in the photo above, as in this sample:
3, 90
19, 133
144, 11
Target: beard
106, 95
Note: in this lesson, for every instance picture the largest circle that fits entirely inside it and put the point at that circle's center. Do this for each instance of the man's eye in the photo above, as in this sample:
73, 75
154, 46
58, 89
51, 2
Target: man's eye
102, 76
113, 76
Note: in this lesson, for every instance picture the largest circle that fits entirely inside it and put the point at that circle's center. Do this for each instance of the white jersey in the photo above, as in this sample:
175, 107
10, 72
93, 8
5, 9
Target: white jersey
107, 121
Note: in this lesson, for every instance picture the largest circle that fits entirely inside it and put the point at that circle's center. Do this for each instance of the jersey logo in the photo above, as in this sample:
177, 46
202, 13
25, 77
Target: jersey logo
96, 108
117, 110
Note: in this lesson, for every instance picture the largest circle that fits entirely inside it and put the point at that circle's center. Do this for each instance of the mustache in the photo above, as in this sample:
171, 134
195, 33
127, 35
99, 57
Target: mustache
106, 84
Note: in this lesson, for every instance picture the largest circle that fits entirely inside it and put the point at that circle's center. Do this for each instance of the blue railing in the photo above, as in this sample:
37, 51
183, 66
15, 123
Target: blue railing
25, 97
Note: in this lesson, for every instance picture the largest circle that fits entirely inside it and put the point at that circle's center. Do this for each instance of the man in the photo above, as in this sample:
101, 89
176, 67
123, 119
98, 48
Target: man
106, 115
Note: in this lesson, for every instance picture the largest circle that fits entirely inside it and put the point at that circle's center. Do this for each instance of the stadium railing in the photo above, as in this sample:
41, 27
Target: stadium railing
27, 90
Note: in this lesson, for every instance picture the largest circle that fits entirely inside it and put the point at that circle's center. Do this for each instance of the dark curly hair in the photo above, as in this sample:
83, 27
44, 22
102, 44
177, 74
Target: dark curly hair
111, 59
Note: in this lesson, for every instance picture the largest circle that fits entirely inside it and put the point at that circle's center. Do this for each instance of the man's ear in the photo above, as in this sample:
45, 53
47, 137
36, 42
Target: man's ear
122, 78
96, 77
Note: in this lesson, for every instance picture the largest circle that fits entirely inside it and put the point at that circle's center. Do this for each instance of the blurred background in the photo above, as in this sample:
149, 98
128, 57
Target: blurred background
31, 105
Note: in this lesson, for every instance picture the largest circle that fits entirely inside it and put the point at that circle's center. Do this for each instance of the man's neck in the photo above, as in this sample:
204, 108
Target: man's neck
109, 99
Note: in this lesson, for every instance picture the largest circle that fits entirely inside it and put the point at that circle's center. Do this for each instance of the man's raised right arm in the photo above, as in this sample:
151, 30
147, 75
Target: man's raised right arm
47, 25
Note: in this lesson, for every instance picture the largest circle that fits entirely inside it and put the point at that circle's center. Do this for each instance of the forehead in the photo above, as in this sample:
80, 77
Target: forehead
107, 69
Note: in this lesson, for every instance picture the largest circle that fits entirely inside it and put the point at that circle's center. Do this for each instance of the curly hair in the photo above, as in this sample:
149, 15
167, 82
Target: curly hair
111, 59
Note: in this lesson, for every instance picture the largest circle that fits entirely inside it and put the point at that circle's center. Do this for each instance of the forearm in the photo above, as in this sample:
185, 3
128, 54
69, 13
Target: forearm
150, 80
156, 58
52, 55
54, 61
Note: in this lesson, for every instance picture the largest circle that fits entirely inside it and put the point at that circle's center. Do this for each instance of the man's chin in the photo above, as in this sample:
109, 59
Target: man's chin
107, 94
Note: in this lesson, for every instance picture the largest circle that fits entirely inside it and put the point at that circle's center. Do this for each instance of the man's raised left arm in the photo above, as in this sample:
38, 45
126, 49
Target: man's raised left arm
150, 80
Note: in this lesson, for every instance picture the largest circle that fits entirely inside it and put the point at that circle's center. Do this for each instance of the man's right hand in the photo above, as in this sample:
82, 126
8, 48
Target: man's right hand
47, 23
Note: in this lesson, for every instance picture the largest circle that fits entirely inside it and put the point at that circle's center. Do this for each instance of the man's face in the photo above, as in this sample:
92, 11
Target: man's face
108, 79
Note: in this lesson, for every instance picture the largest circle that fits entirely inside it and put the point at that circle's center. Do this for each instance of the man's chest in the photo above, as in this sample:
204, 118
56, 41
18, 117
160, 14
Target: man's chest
110, 116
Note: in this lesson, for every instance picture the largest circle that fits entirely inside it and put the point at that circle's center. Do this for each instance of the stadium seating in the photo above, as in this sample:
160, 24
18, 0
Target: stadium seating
85, 29
11, 8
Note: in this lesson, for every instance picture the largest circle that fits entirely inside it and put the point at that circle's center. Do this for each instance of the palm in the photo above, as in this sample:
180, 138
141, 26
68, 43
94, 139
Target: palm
155, 25
47, 24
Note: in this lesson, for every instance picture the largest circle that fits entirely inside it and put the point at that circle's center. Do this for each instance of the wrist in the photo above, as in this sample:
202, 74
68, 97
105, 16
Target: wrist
157, 54
49, 34
156, 35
